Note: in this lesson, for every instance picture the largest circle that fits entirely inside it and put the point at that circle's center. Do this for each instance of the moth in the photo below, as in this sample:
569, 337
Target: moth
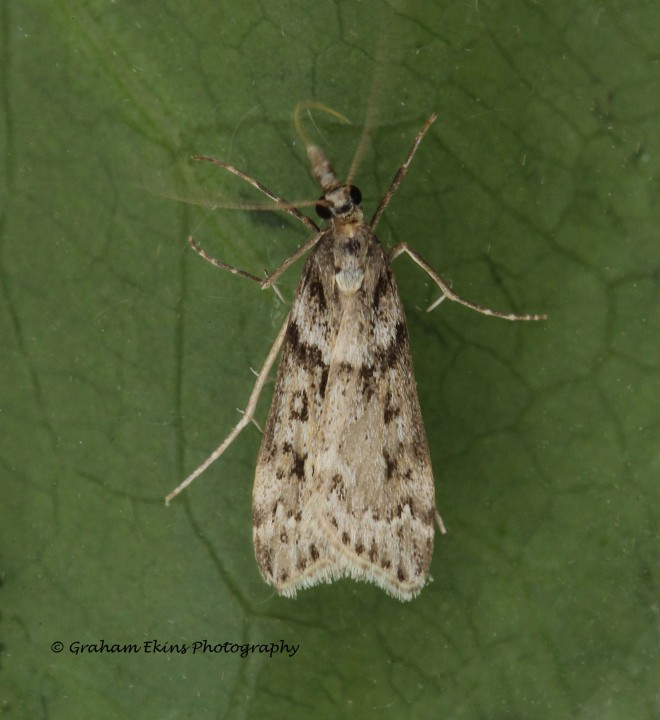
343, 484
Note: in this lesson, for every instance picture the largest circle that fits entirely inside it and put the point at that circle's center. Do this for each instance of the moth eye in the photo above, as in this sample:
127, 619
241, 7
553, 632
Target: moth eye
356, 195
323, 211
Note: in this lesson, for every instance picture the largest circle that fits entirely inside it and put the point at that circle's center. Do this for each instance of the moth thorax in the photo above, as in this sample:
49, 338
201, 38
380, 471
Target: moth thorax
350, 258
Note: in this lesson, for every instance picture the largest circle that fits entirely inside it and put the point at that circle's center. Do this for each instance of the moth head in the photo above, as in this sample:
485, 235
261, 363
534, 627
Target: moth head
341, 203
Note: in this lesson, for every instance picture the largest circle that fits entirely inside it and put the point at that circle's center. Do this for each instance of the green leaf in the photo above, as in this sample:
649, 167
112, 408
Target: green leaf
126, 355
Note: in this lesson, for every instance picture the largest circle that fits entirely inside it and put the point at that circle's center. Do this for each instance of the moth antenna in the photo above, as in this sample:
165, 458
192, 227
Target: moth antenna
312, 105
214, 205
367, 130
383, 61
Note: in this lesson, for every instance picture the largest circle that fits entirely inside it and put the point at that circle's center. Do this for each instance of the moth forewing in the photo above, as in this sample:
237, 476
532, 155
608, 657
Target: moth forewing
344, 485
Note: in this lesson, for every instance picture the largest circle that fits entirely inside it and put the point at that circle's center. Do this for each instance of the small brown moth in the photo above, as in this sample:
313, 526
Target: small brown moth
343, 485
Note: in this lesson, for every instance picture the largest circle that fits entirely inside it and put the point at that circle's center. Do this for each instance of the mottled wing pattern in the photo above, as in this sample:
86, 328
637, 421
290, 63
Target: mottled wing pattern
288, 559
344, 485
371, 467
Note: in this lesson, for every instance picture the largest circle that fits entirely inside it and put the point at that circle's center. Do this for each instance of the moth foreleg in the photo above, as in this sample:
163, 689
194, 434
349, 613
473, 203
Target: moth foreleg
280, 202
401, 173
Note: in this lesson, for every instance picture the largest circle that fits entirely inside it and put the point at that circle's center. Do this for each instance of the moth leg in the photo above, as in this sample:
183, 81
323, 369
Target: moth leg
281, 202
441, 525
448, 293
218, 263
401, 173
269, 280
230, 268
246, 417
